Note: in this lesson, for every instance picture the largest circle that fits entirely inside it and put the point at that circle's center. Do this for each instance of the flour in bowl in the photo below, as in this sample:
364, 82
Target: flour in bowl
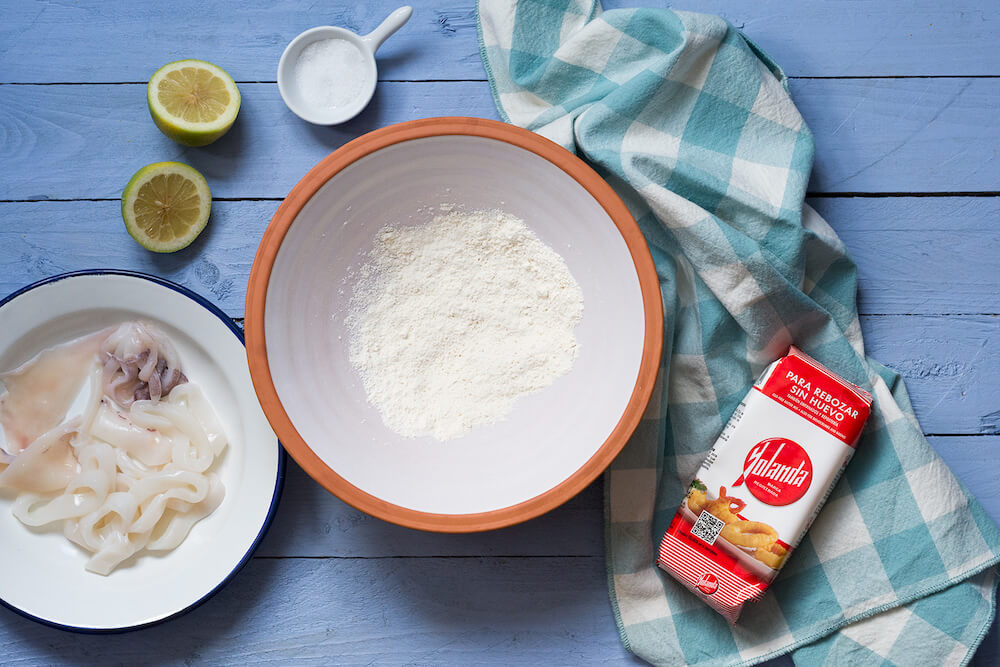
453, 320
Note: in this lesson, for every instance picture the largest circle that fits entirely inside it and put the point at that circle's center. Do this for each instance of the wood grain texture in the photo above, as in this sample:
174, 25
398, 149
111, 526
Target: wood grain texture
377, 610
975, 461
904, 264
885, 135
950, 363
334, 586
988, 654
928, 134
415, 611
920, 254
54, 41
311, 523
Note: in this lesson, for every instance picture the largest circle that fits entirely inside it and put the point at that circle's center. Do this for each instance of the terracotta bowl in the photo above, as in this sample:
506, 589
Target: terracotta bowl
555, 441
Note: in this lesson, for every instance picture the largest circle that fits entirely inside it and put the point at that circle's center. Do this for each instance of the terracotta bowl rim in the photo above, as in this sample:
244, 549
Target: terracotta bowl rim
256, 343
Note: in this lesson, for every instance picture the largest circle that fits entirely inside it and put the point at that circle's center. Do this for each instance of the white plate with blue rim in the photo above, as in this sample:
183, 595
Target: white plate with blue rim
42, 574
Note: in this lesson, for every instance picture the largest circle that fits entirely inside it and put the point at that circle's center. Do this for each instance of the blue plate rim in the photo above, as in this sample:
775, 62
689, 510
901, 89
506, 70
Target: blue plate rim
279, 484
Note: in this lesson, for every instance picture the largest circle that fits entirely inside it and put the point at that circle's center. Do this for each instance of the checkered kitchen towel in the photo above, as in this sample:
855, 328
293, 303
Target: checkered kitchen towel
693, 126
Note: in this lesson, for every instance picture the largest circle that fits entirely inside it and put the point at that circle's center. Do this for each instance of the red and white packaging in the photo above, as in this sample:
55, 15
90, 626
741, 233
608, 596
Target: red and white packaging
764, 482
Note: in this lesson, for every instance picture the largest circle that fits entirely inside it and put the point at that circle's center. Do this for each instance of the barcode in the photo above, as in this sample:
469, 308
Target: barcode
707, 527
731, 424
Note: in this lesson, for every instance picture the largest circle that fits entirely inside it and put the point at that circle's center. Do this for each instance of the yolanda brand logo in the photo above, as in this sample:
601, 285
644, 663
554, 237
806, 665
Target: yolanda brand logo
707, 583
777, 471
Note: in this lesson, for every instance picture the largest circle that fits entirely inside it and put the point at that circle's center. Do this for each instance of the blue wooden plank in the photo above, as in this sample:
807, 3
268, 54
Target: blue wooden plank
85, 141
311, 523
859, 37
71, 142
40, 239
950, 364
896, 135
916, 255
527, 611
315, 524
55, 42
988, 654
975, 461
392, 610
928, 256
920, 254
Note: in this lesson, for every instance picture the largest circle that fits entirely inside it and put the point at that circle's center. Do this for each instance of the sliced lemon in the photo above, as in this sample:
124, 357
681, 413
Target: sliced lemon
166, 205
193, 102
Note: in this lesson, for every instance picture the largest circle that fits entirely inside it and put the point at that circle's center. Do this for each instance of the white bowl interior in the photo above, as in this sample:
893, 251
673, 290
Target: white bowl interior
550, 434
289, 89
41, 572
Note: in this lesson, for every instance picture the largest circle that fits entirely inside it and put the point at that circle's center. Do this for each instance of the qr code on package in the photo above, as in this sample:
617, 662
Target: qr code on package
707, 527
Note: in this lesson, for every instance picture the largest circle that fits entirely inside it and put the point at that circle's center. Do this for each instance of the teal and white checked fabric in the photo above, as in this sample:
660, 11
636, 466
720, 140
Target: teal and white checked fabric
694, 127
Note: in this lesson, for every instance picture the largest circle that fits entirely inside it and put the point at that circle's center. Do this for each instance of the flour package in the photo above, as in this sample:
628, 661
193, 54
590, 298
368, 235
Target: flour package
764, 482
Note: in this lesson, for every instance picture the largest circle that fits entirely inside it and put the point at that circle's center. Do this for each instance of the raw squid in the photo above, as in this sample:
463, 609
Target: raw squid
139, 364
45, 466
134, 471
38, 393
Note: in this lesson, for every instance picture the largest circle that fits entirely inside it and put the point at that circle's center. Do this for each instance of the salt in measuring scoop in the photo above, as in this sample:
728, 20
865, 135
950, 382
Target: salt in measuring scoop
302, 59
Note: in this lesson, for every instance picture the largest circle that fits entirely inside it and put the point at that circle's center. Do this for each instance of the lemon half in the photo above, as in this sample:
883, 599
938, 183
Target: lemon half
166, 205
192, 101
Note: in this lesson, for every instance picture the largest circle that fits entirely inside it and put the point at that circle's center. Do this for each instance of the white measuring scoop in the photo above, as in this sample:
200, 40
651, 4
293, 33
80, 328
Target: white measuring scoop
360, 78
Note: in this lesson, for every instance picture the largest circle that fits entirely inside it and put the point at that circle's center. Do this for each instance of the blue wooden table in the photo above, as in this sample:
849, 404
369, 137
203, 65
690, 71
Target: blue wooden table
901, 96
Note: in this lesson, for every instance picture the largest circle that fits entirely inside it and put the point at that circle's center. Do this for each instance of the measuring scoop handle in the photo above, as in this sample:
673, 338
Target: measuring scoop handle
391, 24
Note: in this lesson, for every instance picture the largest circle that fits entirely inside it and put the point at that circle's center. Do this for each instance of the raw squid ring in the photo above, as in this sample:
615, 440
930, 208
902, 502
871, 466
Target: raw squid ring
750, 534
773, 556
725, 507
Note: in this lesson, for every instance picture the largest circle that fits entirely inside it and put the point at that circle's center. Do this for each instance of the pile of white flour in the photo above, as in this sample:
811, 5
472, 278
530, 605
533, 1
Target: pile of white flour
453, 320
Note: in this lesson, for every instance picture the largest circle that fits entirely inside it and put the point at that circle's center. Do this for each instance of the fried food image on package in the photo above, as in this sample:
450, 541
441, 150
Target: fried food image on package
757, 538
